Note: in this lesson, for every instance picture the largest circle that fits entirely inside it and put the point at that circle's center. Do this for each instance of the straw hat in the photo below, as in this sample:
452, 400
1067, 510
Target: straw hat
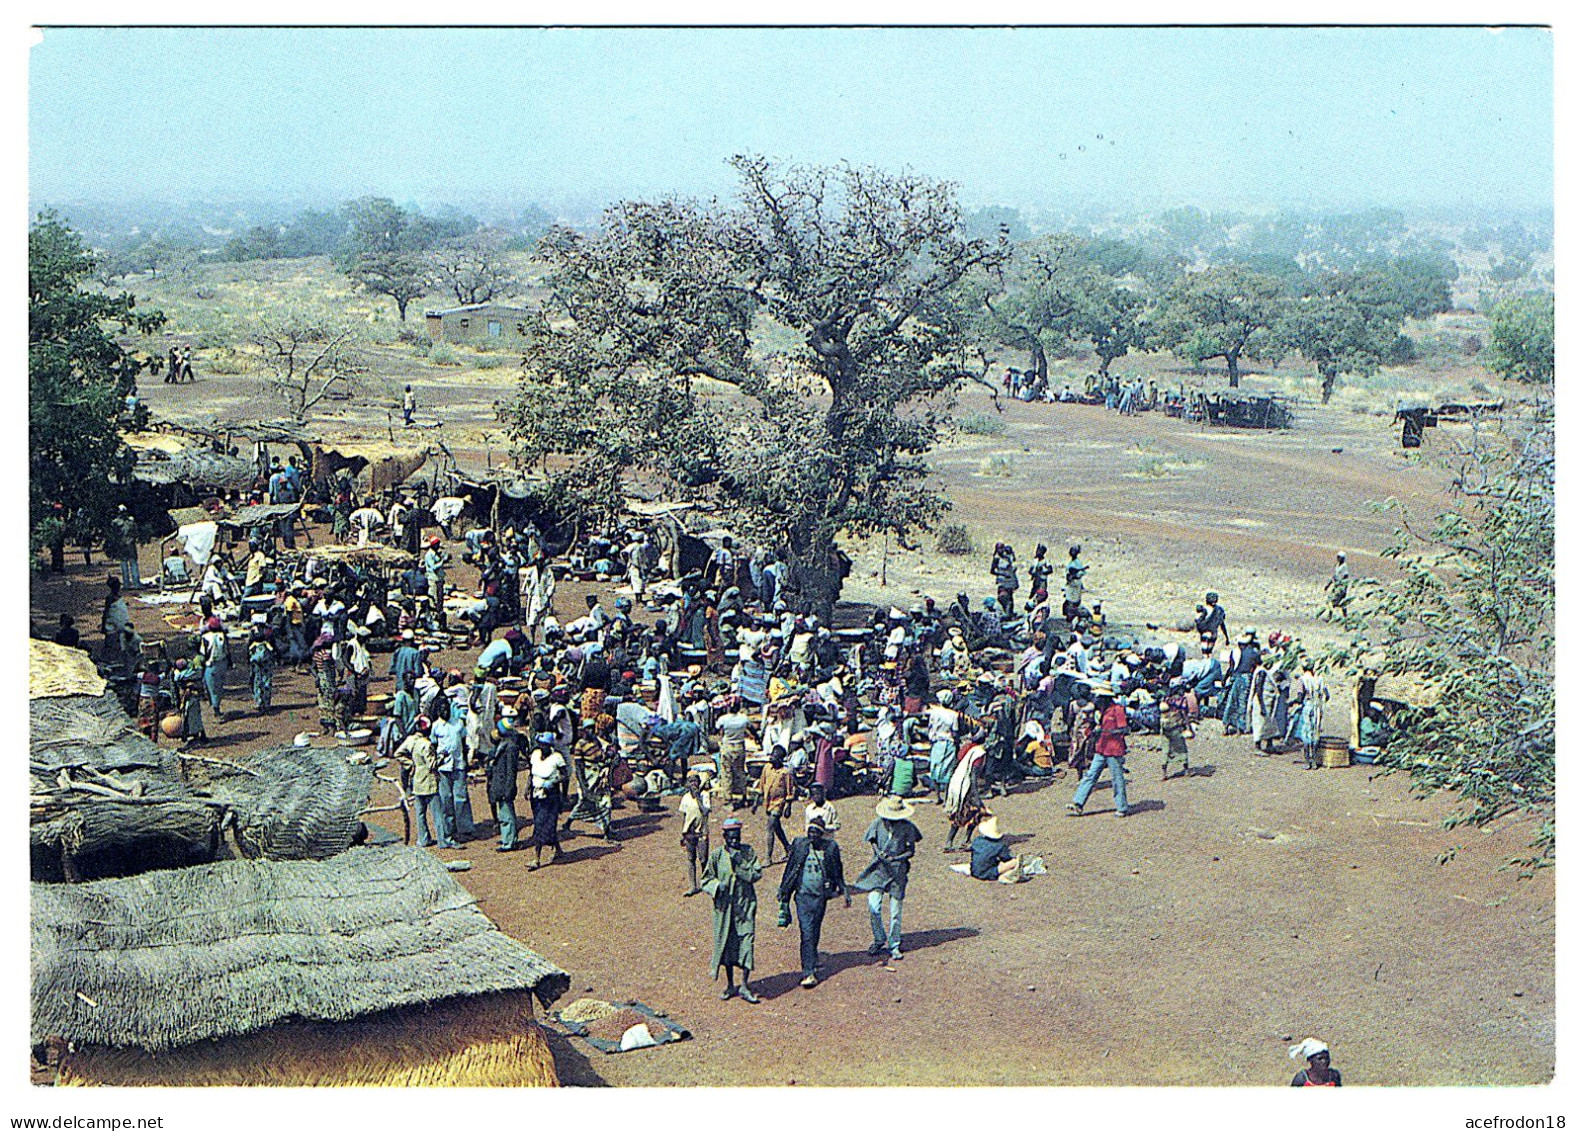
894, 809
990, 827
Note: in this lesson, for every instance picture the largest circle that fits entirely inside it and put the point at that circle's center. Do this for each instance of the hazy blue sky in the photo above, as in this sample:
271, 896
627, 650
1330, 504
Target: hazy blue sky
1024, 117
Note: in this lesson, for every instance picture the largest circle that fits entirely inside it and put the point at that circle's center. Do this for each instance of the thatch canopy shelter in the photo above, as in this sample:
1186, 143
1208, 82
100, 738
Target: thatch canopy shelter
196, 470
106, 801
244, 971
386, 464
255, 514
291, 802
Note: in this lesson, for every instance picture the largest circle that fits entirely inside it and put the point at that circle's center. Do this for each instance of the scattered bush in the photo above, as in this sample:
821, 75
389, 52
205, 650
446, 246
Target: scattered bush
1402, 350
226, 363
496, 361
997, 466
443, 354
954, 538
982, 424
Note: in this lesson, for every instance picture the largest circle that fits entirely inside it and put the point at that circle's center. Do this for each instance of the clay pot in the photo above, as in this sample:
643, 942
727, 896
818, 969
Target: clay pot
170, 725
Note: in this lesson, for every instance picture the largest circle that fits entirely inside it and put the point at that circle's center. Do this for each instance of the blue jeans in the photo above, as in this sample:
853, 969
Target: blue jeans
449, 782
465, 821
1097, 766
812, 909
213, 680
892, 937
506, 823
130, 574
426, 803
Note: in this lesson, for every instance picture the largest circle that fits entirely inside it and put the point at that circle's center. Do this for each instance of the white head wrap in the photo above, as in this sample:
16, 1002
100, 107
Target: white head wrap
1308, 1047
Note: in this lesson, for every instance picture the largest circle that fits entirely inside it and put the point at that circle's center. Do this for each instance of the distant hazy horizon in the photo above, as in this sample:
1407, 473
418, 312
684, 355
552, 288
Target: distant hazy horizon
1041, 119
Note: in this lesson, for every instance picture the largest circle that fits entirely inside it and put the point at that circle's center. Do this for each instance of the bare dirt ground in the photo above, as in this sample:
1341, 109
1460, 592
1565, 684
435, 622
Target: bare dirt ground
1252, 903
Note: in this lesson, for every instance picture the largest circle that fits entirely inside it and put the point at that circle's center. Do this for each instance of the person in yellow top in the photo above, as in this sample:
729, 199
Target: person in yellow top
257, 563
1096, 627
777, 792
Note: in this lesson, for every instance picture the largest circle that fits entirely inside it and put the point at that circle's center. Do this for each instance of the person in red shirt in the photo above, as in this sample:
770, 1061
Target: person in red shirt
1110, 749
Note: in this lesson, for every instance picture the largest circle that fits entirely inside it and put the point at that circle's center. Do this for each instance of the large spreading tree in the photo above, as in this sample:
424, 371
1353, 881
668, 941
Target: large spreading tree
1523, 342
791, 356
78, 379
1229, 312
1058, 290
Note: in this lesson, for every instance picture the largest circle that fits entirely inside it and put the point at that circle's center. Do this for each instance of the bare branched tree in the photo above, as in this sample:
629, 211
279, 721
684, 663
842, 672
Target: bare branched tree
312, 357
475, 268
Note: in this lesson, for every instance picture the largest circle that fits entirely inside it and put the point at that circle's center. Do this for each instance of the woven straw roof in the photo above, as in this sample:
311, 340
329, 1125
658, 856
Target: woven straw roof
90, 730
486, 1041
154, 442
196, 468
297, 802
259, 512
375, 552
164, 959
54, 669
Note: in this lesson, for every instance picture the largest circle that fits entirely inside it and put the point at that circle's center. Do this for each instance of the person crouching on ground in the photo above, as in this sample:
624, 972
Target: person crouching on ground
893, 839
812, 875
731, 872
992, 860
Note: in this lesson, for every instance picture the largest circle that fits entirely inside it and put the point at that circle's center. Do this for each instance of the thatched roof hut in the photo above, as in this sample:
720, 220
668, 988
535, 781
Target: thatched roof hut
106, 801
247, 971
292, 802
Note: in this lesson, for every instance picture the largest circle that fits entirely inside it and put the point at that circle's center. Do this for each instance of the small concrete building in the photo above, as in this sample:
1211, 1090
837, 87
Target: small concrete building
479, 324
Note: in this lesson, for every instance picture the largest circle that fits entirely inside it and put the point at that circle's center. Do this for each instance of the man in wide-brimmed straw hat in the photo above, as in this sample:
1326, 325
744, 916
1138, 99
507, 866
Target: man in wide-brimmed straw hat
991, 858
893, 838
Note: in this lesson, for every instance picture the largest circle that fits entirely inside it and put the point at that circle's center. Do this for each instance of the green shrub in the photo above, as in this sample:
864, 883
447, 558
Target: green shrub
226, 363
954, 538
443, 354
982, 424
997, 466
496, 361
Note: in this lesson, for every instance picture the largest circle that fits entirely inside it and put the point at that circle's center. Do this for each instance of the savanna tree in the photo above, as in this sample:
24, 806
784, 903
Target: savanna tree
311, 358
1522, 347
475, 267
791, 355
1472, 618
383, 252
1227, 312
1057, 290
78, 377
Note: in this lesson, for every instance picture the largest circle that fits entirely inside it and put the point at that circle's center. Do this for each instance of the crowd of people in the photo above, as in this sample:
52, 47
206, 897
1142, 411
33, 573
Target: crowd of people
717, 688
